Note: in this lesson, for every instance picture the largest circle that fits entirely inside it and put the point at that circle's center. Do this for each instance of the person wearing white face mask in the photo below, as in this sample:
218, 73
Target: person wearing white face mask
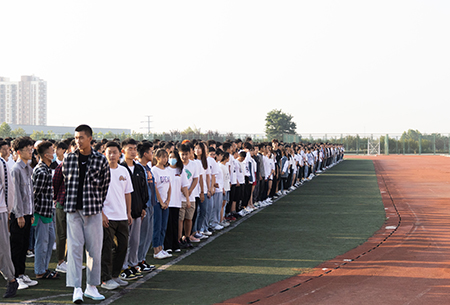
179, 185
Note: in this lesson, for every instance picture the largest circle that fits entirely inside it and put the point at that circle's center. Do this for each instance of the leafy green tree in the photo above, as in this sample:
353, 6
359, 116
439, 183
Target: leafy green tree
279, 123
5, 130
19, 132
37, 135
50, 135
67, 135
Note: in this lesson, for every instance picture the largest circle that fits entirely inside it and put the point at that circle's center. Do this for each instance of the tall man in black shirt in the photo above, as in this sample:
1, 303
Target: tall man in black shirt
86, 178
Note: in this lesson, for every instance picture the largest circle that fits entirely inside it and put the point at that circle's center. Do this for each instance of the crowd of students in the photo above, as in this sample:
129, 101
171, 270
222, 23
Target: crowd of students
118, 199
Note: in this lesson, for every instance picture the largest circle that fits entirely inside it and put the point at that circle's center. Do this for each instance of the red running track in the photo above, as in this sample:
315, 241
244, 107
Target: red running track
406, 262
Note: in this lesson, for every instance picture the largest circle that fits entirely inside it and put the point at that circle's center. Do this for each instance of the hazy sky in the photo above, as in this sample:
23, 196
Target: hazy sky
336, 66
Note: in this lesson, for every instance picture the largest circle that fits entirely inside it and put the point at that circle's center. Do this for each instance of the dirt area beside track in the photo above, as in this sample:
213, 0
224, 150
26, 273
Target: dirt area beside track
406, 262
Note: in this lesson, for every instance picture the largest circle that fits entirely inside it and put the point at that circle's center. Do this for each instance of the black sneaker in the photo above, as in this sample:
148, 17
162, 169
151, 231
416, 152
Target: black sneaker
144, 267
136, 272
127, 275
11, 289
183, 244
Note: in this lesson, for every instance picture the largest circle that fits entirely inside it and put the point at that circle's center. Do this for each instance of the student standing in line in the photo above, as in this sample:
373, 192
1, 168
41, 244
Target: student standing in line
139, 199
145, 153
43, 212
86, 178
186, 213
6, 204
204, 188
161, 211
226, 186
216, 197
116, 217
179, 184
21, 216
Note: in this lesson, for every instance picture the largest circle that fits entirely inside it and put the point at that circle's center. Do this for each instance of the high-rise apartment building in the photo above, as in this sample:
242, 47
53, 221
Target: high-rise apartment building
23, 102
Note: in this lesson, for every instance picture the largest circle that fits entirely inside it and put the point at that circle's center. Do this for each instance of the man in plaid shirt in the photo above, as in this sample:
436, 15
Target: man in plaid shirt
86, 178
43, 212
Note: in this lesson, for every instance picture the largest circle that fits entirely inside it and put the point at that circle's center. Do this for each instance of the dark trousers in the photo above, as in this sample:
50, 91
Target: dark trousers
239, 195
19, 239
247, 192
171, 239
231, 199
61, 233
112, 264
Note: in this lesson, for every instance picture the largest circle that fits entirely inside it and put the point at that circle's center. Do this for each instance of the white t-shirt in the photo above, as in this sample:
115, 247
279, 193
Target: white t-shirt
232, 169
226, 176
219, 179
178, 179
240, 171
204, 172
115, 205
272, 167
267, 167
10, 162
213, 166
253, 172
191, 170
162, 181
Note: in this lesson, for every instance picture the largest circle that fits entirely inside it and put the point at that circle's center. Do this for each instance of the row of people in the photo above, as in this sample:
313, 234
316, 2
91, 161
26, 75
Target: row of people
122, 191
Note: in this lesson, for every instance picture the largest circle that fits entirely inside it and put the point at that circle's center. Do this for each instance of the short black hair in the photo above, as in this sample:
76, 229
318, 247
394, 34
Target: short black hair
87, 130
247, 145
2, 143
219, 152
62, 145
243, 154
129, 141
185, 148
211, 149
112, 144
42, 147
143, 147
226, 146
21, 143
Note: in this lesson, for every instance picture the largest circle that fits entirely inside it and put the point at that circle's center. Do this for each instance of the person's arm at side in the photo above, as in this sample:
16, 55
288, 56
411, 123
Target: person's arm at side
186, 194
128, 202
166, 203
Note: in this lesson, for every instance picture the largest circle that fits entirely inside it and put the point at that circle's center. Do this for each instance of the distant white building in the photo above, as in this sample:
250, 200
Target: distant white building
23, 102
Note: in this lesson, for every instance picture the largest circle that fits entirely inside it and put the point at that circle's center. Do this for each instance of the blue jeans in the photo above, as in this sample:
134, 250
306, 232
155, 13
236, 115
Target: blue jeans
160, 218
201, 215
146, 237
45, 237
217, 207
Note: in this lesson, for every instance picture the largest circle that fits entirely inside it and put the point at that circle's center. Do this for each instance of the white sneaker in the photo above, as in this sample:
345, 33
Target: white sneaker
77, 296
62, 267
29, 282
22, 284
224, 223
54, 246
160, 255
207, 233
110, 284
120, 281
92, 293
167, 254
218, 227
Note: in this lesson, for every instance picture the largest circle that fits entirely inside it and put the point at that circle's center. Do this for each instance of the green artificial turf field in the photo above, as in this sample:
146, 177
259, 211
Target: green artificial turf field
326, 217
